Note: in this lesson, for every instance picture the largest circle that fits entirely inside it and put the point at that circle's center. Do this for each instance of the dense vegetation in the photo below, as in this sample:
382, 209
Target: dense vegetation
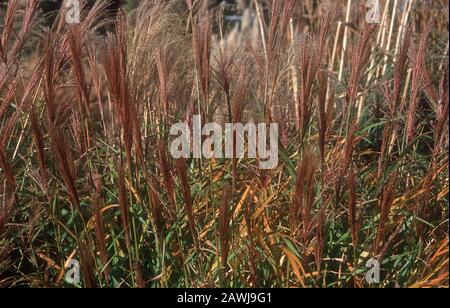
86, 172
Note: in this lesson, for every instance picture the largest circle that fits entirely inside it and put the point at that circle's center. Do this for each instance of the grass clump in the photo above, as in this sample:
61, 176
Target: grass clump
86, 172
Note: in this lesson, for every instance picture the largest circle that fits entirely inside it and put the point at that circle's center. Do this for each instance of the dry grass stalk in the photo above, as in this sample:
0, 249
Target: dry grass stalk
182, 170
201, 40
114, 63
167, 175
386, 202
310, 57
416, 83
353, 215
359, 59
38, 140
250, 224
87, 265
325, 105
65, 121
224, 225
157, 208
98, 203
7, 191
124, 204
320, 241
304, 195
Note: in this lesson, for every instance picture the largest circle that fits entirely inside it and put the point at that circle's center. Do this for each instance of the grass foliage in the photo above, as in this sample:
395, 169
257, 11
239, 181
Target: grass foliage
86, 172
